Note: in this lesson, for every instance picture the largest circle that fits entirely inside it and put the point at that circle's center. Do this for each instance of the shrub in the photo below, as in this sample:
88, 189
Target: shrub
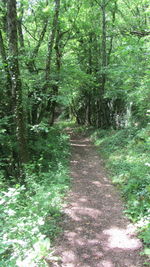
127, 154
29, 214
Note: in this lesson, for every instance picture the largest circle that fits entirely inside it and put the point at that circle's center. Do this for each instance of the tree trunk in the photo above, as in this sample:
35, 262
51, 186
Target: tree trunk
31, 62
103, 113
20, 33
58, 67
104, 56
4, 16
5, 63
16, 84
112, 36
51, 42
89, 71
88, 111
47, 85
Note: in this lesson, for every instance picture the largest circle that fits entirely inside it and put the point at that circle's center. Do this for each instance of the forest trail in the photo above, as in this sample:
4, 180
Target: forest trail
96, 233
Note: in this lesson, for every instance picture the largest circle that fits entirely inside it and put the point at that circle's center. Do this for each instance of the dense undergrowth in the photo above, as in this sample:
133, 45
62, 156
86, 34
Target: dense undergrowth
127, 155
29, 214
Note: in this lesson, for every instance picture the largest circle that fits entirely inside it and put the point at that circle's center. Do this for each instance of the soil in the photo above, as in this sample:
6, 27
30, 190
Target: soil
96, 231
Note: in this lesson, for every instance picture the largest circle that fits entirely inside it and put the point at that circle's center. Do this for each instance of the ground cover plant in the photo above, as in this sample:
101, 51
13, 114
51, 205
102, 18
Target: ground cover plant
29, 213
127, 156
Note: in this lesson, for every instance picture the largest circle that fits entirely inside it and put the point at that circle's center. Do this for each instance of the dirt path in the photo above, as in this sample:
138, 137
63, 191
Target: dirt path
96, 233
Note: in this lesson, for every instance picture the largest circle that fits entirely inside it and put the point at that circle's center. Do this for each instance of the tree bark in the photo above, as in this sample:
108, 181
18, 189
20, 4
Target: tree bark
5, 63
16, 84
51, 41
103, 112
112, 36
58, 67
4, 16
104, 56
88, 96
20, 33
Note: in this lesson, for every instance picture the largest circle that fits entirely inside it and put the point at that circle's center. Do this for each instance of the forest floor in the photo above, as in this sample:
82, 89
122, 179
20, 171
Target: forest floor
96, 231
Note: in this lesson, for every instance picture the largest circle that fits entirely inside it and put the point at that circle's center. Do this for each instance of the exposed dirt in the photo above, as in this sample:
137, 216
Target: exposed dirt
96, 232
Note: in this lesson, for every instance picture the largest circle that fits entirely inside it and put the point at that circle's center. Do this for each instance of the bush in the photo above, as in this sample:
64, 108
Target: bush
127, 154
29, 214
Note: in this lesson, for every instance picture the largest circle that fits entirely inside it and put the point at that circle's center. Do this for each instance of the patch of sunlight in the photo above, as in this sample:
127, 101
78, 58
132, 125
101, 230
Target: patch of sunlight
122, 239
83, 199
130, 159
69, 256
119, 179
116, 156
99, 142
75, 161
40, 249
97, 183
147, 164
107, 263
80, 145
78, 213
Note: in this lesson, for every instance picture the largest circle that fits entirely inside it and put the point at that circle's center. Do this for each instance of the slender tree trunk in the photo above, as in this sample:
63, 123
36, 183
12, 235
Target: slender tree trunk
47, 85
88, 101
20, 33
58, 67
51, 42
104, 56
16, 84
112, 36
103, 113
31, 62
4, 16
5, 63
88, 111
10, 163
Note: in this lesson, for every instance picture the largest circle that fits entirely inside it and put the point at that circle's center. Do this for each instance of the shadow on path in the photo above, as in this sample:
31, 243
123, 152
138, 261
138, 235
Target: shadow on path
96, 233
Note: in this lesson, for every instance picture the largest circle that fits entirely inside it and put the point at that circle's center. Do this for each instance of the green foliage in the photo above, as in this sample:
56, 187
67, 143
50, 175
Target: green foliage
81, 88
127, 154
29, 215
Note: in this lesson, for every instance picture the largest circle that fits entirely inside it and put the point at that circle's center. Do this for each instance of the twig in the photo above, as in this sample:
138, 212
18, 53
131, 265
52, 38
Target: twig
29, 32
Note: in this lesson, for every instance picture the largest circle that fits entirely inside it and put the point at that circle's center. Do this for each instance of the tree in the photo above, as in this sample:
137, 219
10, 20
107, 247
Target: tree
16, 84
48, 106
88, 58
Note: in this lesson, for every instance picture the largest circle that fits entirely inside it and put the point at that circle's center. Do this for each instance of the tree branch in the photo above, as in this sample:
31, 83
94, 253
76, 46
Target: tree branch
101, 5
140, 34
29, 32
